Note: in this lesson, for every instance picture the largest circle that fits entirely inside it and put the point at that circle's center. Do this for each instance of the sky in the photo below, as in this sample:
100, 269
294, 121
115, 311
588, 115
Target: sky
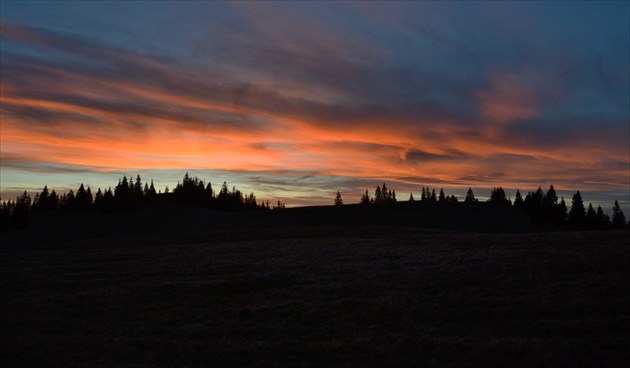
296, 100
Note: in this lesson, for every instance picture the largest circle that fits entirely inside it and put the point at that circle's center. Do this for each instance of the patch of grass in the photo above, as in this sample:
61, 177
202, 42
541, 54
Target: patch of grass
419, 298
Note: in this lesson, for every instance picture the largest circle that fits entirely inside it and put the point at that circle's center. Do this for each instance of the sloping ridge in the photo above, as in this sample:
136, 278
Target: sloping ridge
169, 222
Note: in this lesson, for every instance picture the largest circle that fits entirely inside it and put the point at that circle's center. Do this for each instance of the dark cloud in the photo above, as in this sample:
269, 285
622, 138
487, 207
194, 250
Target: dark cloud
420, 156
26, 163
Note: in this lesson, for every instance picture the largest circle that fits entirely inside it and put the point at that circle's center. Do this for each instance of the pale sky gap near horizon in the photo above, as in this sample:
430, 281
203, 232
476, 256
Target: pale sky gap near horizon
296, 100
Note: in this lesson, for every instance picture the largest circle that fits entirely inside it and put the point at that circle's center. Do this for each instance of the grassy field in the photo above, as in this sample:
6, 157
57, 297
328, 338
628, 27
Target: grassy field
365, 296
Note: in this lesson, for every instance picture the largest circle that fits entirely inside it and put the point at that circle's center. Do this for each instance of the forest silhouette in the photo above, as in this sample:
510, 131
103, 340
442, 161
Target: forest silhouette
129, 195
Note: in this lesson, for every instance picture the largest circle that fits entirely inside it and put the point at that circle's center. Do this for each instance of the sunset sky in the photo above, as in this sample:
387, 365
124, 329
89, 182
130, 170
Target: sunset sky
295, 101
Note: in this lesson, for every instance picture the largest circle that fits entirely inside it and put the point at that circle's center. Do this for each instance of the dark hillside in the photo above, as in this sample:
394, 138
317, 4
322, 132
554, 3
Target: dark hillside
385, 297
167, 222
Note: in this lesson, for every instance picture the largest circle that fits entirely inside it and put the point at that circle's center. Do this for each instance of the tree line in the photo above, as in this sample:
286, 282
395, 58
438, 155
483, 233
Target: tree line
539, 205
194, 191
130, 194
127, 195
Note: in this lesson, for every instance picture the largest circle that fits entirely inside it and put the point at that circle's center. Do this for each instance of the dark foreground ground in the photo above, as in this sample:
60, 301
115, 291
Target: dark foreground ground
386, 296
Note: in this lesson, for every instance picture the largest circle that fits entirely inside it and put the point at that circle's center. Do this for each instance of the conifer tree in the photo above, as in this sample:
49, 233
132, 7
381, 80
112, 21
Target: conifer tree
209, 193
560, 217
442, 197
98, 201
411, 197
365, 198
53, 201
68, 200
470, 197
122, 194
81, 200
152, 193
590, 222
518, 199
338, 200
533, 205
20, 211
551, 197
378, 194
577, 214
40, 202
618, 218
108, 201
89, 197
603, 221
497, 195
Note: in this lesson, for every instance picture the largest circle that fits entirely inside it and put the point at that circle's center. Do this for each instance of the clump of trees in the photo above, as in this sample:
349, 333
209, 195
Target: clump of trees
127, 195
547, 207
543, 206
14, 214
381, 195
193, 190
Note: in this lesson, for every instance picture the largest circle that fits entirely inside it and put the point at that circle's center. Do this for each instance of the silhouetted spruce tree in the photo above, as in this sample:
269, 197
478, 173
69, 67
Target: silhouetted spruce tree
533, 205
560, 214
53, 201
551, 197
40, 202
365, 198
423, 196
6, 209
131, 187
152, 194
80, 200
518, 199
108, 201
618, 218
19, 215
98, 201
576, 215
382, 194
137, 192
222, 197
470, 197
122, 194
590, 221
89, 197
209, 194
497, 195
433, 195
442, 197
250, 202
453, 198
603, 221
192, 191
411, 197
378, 194
338, 200
549, 205
67, 201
